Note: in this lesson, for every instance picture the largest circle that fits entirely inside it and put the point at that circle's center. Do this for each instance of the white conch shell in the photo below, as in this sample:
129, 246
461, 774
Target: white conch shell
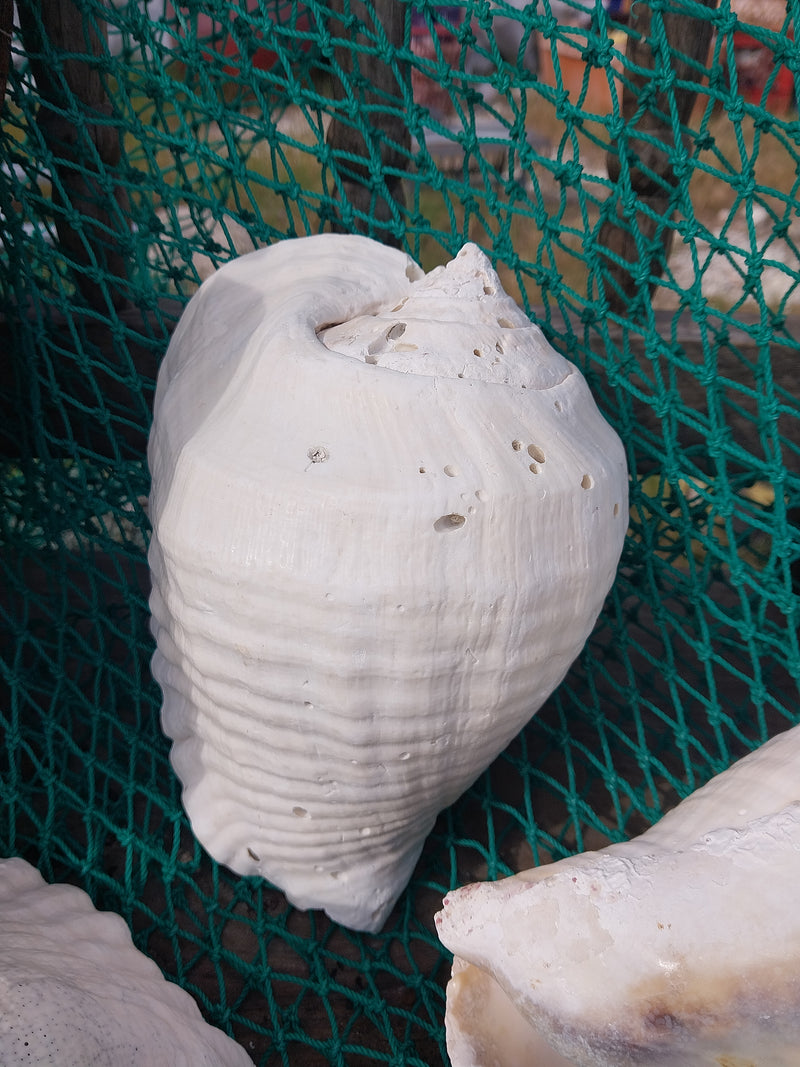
386, 514
75, 991
680, 948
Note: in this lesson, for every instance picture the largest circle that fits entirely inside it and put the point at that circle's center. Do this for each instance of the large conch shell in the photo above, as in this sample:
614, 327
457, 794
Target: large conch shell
75, 991
385, 517
680, 948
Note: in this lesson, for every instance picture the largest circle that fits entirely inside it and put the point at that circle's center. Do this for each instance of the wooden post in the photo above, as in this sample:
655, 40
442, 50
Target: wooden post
651, 176
380, 131
6, 29
81, 186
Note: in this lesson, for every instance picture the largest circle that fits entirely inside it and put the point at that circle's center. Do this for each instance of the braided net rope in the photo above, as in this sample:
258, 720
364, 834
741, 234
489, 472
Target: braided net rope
158, 143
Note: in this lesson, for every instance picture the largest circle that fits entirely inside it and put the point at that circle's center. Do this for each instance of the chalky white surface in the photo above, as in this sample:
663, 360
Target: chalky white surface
75, 992
386, 514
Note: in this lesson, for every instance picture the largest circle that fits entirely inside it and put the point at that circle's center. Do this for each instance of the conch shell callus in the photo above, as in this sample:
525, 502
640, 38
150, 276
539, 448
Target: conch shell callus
385, 517
680, 948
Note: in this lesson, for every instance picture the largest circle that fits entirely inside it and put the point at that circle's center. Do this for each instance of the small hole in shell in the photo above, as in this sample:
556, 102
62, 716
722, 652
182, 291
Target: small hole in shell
318, 454
451, 470
453, 521
301, 813
616, 510
536, 453
557, 405
404, 756
477, 352
422, 470
516, 445
499, 348
489, 290
505, 323
533, 468
396, 331
587, 481
253, 855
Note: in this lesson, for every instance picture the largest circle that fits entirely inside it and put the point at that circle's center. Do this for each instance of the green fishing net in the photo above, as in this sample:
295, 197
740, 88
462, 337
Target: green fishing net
638, 196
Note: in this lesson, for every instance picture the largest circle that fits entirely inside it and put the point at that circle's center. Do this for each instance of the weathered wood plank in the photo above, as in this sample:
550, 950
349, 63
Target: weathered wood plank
73, 119
6, 29
378, 131
649, 146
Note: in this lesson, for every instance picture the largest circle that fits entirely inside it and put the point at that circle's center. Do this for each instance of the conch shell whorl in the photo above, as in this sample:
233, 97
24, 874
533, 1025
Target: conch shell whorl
386, 514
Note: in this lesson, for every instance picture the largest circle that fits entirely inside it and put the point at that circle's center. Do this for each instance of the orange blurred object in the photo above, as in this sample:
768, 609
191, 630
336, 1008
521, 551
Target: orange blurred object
572, 68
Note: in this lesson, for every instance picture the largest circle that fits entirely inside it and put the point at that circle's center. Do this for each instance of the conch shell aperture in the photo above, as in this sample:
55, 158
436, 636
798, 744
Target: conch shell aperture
386, 514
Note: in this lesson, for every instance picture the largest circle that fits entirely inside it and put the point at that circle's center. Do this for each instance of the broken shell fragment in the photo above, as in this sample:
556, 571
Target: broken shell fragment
677, 948
361, 592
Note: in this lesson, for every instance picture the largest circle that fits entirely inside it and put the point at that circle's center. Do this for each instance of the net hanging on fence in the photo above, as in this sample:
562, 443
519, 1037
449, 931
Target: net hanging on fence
634, 179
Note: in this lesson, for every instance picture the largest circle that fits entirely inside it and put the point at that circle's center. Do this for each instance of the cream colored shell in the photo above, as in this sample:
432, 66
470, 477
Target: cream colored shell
385, 517
679, 948
74, 991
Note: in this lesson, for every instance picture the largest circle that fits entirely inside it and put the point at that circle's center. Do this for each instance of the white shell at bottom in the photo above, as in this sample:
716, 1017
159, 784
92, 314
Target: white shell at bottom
386, 514
680, 948
74, 991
